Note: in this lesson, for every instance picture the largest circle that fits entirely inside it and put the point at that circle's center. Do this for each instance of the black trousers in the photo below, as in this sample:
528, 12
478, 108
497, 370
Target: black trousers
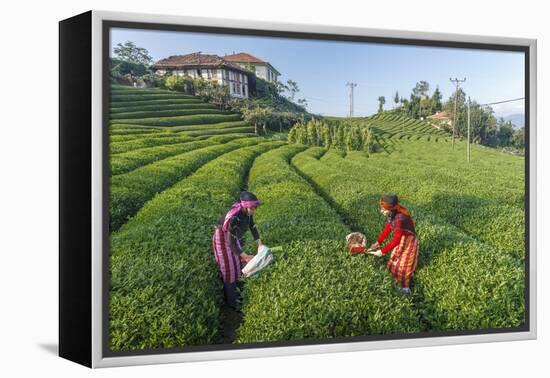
231, 294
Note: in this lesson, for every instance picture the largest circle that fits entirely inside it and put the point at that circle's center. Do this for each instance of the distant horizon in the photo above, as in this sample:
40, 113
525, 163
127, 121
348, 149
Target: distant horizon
322, 68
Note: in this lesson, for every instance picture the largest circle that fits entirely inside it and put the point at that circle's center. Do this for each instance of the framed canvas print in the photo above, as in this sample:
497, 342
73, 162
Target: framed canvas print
234, 189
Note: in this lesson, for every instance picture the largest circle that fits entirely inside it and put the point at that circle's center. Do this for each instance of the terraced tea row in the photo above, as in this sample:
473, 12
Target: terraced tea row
164, 289
477, 211
314, 290
128, 161
130, 191
115, 117
460, 283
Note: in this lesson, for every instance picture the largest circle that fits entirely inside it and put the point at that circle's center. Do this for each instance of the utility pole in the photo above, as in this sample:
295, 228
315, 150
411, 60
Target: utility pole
457, 83
351, 86
468, 144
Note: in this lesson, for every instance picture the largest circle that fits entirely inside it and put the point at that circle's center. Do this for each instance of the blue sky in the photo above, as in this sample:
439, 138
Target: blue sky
322, 68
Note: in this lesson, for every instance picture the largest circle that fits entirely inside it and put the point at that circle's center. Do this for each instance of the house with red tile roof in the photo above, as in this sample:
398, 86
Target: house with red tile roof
261, 68
208, 67
440, 119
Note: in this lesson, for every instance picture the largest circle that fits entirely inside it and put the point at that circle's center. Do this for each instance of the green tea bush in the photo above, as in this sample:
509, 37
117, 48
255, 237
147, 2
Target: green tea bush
476, 209
165, 101
182, 120
120, 146
456, 274
165, 113
164, 289
128, 161
314, 289
129, 191
221, 125
214, 131
153, 108
121, 98
133, 131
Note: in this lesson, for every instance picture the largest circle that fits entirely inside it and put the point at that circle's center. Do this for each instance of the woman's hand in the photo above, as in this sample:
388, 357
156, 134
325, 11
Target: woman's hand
377, 253
375, 246
246, 257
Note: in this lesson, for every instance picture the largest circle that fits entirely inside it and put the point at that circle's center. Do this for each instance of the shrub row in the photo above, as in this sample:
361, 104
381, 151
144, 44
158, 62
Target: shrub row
221, 125
122, 143
314, 289
168, 101
131, 190
121, 98
144, 108
208, 131
165, 291
507, 178
132, 131
128, 161
165, 113
182, 120
460, 283
451, 198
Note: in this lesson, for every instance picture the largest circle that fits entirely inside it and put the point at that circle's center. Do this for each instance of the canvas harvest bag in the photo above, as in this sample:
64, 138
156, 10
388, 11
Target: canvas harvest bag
262, 259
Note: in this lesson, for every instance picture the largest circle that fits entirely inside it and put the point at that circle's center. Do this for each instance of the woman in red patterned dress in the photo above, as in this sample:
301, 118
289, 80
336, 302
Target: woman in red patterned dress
404, 245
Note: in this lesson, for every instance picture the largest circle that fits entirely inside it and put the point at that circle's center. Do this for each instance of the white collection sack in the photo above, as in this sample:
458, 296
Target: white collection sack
262, 259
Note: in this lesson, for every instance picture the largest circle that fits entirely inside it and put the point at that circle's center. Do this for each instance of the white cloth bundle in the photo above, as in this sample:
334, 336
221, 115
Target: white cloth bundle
262, 259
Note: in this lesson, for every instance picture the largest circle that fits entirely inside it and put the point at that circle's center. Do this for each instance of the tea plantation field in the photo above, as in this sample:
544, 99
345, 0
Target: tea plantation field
177, 164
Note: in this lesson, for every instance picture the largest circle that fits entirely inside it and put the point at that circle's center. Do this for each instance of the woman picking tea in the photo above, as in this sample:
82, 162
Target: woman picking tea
227, 242
404, 245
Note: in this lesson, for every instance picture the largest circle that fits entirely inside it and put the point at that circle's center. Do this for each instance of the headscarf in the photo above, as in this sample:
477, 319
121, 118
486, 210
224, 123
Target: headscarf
247, 200
391, 202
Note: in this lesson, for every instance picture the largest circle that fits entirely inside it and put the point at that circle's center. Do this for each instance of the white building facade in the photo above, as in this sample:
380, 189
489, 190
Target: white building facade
261, 68
207, 67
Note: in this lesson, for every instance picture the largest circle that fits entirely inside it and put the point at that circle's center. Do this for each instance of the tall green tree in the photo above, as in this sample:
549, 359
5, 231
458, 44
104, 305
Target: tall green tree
381, 102
519, 138
129, 52
449, 107
436, 101
417, 103
292, 88
396, 99
505, 133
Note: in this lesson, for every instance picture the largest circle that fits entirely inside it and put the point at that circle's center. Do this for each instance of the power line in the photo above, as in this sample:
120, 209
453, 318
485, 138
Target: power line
502, 102
457, 83
351, 85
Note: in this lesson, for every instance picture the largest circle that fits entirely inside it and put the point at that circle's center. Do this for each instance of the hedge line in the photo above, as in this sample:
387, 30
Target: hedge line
481, 211
165, 113
131, 190
221, 125
460, 283
168, 101
314, 289
182, 120
120, 98
164, 289
208, 131
143, 108
128, 161
121, 143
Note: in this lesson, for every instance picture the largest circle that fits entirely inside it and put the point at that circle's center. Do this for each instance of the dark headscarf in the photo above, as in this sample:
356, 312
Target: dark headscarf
391, 202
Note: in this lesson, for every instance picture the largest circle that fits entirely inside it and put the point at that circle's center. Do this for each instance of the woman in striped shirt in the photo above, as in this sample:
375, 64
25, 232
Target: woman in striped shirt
227, 243
404, 245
